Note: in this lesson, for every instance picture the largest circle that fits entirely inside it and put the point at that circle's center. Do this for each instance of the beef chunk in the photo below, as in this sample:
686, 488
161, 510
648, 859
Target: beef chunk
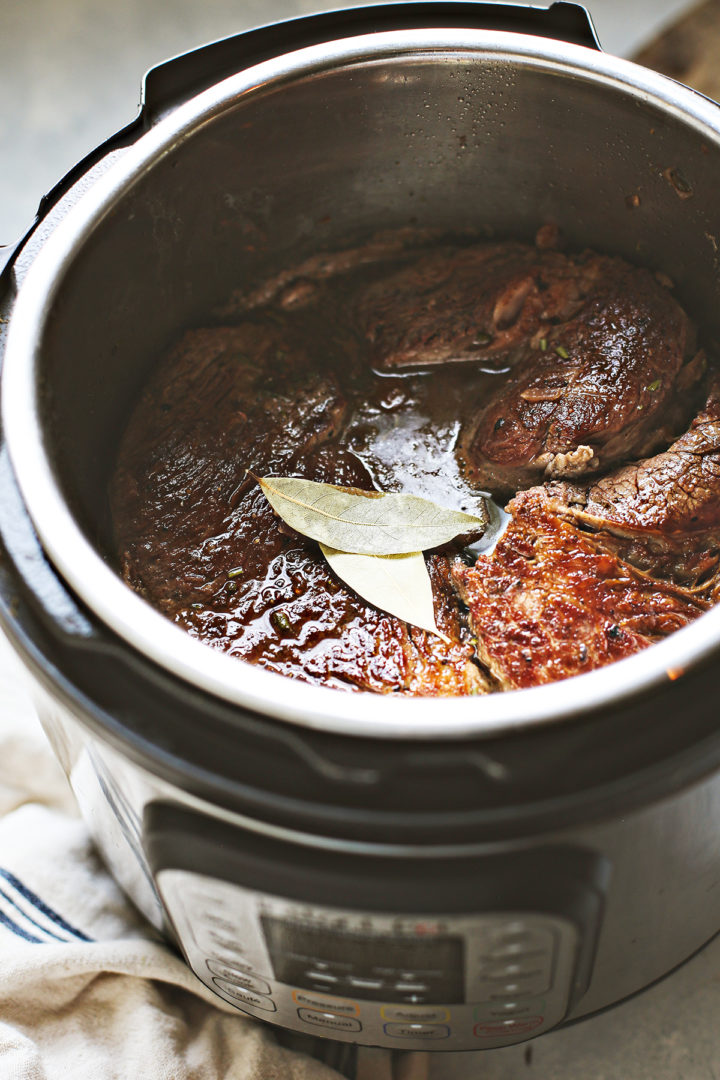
199, 540
607, 381
224, 401
478, 304
662, 513
342, 371
548, 604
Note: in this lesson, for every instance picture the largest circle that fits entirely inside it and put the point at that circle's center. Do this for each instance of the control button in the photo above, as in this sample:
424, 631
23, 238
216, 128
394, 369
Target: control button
219, 918
248, 997
516, 950
220, 940
528, 987
321, 976
501, 1029
411, 988
417, 1031
227, 953
329, 1020
510, 1008
415, 1014
325, 1003
365, 984
525, 936
245, 981
512, 971
229, 969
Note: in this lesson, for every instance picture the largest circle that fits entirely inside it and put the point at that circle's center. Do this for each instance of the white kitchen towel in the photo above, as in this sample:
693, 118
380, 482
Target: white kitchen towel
87, 990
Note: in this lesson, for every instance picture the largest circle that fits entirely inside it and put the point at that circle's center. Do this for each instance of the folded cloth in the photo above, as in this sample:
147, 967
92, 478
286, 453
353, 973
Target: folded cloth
88, 991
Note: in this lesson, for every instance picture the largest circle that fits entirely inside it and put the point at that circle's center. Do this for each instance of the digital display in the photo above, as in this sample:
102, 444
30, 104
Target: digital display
378, 968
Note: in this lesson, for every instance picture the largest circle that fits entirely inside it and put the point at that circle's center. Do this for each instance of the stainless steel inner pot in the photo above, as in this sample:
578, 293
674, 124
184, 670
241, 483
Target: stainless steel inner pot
453, 129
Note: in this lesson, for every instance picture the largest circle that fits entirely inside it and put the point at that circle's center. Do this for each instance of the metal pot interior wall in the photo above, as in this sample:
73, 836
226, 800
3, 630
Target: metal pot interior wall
447, 141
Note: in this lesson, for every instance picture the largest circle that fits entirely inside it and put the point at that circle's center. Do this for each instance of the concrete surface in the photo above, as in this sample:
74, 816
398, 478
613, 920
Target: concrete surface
70, 73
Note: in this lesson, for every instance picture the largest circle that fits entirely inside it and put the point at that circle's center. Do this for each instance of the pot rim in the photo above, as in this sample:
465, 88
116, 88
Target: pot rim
123, 611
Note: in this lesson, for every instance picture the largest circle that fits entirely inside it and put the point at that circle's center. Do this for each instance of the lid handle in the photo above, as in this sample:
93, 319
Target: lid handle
180, 78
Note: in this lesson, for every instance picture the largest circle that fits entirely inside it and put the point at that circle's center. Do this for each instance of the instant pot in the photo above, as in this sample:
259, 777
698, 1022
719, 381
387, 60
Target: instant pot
443, 874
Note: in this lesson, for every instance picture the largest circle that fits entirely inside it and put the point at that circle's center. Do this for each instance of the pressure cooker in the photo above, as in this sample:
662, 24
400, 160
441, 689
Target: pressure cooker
441, 874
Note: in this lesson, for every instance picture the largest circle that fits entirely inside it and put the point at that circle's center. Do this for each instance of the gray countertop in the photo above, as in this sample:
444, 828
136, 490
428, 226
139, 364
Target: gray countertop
71, 73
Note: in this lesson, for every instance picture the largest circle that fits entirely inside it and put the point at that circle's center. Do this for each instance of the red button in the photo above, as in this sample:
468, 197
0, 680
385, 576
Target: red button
514, 1026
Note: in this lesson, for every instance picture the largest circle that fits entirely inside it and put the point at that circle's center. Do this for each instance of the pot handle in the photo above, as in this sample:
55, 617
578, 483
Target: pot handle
176, 80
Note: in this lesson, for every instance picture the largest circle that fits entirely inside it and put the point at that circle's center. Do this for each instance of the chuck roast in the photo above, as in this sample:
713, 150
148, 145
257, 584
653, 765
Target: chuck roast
607, 381
595, 353
662, 513
342, 372
548, 603
197, 537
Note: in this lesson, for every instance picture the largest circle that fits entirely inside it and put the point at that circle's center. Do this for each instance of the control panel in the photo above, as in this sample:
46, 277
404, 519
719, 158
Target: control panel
412, 982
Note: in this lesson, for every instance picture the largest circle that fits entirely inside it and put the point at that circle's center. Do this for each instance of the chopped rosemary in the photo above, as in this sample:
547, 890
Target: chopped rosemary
562, 353
236, 571
543, 344
655, 385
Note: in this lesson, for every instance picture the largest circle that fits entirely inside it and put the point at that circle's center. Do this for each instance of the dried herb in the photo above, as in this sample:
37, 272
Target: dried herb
397, 584
281, 622
365, 522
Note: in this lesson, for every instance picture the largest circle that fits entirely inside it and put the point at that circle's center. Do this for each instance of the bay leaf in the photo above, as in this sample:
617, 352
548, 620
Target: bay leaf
365, 523
397, 584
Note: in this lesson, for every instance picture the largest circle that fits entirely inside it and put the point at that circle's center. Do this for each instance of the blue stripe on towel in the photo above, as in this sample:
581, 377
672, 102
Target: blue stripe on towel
5, 921
41, 906
29, 918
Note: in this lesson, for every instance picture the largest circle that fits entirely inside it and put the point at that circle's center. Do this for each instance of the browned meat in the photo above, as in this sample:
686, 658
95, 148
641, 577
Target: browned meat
200, 541
608, 382
576, 363
548, 604
301, 621
480, 303
663, 513
299, 286
224, 401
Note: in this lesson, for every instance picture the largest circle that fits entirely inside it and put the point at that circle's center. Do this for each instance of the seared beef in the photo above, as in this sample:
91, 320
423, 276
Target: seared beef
479, 304
198, 538
548, 603
298, 286
300, 620
224, 401
571, 364
663, 513
607, 382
